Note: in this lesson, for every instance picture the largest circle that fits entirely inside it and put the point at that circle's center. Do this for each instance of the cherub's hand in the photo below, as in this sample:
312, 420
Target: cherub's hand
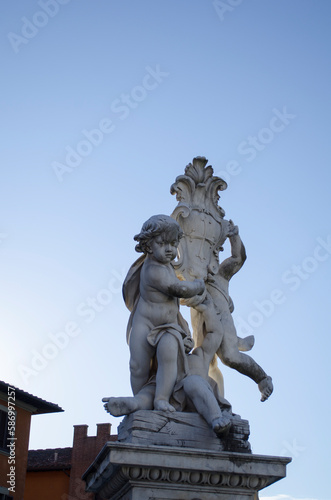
232, 229
193, 301
188, 344
210, 278
200, 286
202, 306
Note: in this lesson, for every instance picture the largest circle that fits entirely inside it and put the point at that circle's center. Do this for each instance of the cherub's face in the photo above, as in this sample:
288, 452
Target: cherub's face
163, 250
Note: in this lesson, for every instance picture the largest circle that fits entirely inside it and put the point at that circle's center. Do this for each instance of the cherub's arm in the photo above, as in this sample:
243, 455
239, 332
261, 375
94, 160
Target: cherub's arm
187, 289
233, 264
165, 282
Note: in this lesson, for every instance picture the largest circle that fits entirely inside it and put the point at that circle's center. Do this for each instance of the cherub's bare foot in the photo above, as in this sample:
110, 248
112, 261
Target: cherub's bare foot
163, 405
246, 343
221, 425
266, 387
120, 406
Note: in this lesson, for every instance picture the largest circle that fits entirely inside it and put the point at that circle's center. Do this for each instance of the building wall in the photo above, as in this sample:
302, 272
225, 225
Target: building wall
23, 421
55, 484
84, 451
46, 484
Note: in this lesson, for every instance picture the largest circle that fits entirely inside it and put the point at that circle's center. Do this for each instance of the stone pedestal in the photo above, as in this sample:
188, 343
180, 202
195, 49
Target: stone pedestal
187, 430
165, 468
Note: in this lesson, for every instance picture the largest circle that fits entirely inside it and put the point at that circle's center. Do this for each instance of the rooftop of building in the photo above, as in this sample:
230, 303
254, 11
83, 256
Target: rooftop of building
49, 459
40, 405
55, 458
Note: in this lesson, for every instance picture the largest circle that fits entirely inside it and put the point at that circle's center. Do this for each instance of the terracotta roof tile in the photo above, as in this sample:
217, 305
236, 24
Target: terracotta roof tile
49, 459
41, 405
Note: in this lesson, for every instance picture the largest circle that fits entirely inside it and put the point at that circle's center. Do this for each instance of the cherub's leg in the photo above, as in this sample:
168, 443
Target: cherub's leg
126, 405
200, 393
166, 375
247, 366
232, 357
216, 374
141, 354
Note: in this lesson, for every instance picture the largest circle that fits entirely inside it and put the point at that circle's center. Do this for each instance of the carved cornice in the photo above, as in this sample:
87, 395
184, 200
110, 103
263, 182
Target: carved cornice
121, 467
150, 477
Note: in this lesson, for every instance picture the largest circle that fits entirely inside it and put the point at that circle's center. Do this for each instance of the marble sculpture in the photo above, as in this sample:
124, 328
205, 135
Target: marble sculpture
171, 371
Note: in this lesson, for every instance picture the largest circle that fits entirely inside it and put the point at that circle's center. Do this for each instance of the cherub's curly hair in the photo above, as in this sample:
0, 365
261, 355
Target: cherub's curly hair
154, 226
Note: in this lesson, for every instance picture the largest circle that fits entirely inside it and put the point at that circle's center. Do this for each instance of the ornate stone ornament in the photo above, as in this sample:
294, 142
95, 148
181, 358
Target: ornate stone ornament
201, 219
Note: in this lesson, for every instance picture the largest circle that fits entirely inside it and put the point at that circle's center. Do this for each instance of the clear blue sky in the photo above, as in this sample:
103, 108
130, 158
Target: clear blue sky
102, 105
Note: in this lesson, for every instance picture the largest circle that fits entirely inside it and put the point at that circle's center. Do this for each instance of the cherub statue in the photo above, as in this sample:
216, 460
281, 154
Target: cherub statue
151, 291
199, 389
229, 344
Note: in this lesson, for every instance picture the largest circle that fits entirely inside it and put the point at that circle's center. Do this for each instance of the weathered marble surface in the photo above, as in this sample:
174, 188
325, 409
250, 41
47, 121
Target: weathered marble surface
166, 374
179, 439
129, 471
158, 334
204, 232
182, 429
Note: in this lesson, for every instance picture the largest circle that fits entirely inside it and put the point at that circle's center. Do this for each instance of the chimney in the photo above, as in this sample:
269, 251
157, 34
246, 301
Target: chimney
80, 432
103, 431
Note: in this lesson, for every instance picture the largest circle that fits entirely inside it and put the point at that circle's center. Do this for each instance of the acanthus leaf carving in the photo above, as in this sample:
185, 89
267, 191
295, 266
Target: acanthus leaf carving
201, 219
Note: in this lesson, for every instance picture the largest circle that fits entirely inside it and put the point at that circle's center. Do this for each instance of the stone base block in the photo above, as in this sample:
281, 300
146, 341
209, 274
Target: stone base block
188, 430
126, 471
138, 469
